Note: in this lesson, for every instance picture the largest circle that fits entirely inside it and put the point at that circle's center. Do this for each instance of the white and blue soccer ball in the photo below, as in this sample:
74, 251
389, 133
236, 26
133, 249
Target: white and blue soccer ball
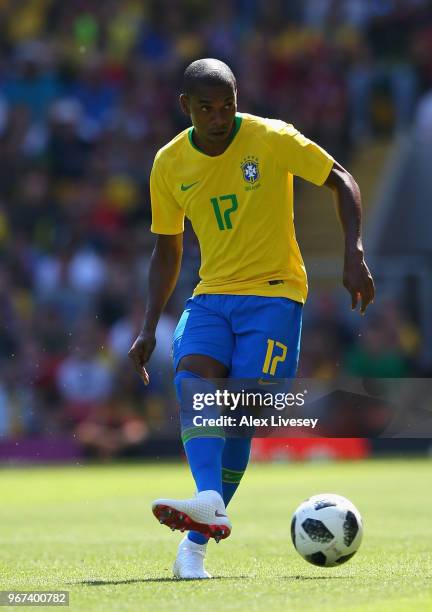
327, 530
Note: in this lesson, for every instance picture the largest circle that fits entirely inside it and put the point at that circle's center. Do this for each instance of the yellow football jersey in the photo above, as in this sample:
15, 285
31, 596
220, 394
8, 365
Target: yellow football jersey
240, 205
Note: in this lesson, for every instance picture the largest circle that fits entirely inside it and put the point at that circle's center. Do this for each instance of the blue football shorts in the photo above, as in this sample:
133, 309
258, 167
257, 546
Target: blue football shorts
254, 336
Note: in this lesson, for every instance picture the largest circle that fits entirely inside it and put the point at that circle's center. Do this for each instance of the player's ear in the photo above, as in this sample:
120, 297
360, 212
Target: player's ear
184, 104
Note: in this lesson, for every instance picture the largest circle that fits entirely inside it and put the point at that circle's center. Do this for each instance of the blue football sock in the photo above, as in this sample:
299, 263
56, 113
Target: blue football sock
203, 445
205, 460
197, 537
235, 458
204, 454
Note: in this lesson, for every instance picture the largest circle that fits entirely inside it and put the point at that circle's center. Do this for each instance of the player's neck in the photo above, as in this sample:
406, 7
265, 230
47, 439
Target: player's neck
213, 148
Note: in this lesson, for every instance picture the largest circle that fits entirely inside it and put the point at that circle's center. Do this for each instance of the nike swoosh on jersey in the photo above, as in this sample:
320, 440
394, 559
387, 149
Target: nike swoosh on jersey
186, 187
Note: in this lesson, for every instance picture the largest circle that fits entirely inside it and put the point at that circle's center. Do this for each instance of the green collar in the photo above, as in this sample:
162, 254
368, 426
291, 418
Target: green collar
237, 124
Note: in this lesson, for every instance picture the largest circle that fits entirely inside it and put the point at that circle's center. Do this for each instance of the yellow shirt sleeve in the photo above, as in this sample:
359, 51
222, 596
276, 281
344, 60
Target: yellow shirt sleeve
299, 155
167, 215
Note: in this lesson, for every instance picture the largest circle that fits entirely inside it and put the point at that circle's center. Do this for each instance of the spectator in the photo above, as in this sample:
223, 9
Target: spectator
85, 102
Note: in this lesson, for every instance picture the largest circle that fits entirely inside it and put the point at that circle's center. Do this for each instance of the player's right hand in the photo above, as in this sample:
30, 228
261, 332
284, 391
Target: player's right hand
140, 353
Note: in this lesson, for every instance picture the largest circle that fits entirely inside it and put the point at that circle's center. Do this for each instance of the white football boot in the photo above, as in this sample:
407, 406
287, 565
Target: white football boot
189, 563
204, 513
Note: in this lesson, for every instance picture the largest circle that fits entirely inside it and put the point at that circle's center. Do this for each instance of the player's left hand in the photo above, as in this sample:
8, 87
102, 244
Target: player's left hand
358, 281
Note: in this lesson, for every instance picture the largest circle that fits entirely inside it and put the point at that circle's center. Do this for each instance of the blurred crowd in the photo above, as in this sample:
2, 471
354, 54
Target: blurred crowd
88, 93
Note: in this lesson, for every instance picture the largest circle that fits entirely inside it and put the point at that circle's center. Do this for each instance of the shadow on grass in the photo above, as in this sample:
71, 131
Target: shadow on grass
316, 577
151, 580
144, 580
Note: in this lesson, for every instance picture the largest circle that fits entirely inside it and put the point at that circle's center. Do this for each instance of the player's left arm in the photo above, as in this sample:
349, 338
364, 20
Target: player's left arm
357, 278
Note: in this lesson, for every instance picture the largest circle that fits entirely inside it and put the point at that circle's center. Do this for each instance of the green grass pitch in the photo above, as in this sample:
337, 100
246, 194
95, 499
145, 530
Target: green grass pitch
89, 530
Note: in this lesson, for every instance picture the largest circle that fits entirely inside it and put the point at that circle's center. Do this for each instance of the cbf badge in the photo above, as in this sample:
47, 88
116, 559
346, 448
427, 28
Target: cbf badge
250, 169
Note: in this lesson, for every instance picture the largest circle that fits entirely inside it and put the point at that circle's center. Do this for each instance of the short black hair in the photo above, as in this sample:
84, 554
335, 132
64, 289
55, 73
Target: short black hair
208, 71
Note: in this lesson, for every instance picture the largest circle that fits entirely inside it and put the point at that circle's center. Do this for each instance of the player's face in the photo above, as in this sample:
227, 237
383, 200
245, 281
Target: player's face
212, 110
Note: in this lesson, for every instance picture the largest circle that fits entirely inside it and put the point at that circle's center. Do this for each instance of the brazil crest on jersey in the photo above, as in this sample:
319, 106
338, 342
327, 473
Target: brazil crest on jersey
240, 204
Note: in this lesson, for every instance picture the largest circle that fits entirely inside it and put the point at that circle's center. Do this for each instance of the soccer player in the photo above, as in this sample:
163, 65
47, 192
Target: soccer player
232, 175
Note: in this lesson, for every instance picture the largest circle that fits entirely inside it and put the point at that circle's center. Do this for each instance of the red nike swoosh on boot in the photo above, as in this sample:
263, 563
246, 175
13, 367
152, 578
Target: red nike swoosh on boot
217, 514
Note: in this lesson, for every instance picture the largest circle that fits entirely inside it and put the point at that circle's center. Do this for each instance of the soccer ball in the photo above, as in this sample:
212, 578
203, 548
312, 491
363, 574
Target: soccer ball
327, 530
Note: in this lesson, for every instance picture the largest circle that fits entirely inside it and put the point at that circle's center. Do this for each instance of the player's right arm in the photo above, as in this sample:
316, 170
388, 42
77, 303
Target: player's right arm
163, 274
168, 224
